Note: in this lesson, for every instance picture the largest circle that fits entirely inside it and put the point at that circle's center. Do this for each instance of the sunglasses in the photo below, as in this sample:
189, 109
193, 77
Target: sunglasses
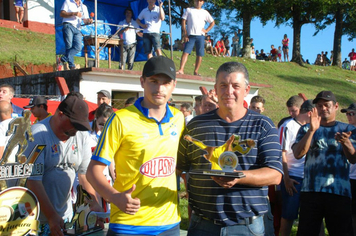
350, 114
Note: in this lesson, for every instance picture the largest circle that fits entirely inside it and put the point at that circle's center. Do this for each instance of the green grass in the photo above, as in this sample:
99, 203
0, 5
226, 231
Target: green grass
286, 79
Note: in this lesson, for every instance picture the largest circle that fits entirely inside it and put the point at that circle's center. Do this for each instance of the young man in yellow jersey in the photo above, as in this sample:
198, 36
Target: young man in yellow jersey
142, 140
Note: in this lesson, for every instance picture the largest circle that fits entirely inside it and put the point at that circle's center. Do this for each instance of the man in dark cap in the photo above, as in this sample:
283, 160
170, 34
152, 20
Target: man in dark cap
66, 154
38, 106
329, 150
350, 113
142, 140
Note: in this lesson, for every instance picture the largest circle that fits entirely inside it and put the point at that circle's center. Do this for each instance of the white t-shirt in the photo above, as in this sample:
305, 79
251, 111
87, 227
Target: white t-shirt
295, 166
152, 19
196, 20
71, 6
129, 36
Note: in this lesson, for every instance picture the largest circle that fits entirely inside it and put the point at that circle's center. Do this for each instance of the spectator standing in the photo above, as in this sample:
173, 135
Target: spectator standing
239, 34
38, 107
293, 169
187, 111
257, 104
225, 206
352, 56
103, 96
279, 54
227, 46
66, 153
193, 23
235, 43
7, 92
350, 113
128, 29
144, 198
153, 16
20, 6
285, 44
5, 119
73, 13
325, 140
198, 105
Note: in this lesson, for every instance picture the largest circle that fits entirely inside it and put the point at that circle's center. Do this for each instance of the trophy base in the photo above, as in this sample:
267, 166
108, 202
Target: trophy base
81, 232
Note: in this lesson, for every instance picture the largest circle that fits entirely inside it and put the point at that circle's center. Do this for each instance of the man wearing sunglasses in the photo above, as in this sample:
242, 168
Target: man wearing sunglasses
350, 115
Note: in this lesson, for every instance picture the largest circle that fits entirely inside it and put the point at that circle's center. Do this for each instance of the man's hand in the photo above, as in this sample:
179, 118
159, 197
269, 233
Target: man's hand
314, 120
126, 203
289, 184
225, 182
343, 137
56, 225
78, 14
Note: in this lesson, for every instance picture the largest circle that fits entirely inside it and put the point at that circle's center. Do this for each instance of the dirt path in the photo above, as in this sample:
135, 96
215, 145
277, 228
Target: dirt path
7, 70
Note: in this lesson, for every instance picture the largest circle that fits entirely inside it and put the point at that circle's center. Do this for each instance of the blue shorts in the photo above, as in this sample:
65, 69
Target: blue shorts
198, 41
285, 47
290, 204
149, 40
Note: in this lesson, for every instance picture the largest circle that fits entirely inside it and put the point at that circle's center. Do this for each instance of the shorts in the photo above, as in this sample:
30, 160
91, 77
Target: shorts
285, 47
149, 40
227, 48
290, 204
353, 63
198, 41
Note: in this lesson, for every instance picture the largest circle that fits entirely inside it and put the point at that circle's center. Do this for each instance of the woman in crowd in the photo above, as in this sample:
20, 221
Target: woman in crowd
285, 43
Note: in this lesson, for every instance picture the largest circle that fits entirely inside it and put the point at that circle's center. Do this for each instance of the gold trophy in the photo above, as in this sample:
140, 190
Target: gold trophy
19, 207
223, 158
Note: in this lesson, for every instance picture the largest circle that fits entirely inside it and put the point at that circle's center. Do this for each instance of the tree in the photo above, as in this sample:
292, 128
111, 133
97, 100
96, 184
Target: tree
342, 13
298, 13
247, 10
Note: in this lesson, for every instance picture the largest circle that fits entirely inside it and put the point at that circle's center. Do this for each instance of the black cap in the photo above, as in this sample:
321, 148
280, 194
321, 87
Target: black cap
159, 65
307, 106
35, 101
77, 111
352, 107
326, 95
105, 93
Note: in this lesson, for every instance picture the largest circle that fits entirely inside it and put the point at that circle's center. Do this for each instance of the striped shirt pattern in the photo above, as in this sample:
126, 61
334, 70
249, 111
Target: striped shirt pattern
207, 198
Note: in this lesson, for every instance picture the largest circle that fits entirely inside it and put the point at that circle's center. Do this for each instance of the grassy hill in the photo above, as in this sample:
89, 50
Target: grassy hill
286, 79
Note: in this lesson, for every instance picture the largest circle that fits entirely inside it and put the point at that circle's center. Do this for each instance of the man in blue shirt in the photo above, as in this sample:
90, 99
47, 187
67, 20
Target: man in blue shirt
230, 206
329, 150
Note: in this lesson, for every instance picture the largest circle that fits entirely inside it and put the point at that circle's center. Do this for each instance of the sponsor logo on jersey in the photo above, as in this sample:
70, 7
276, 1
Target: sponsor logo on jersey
158, 167
54, 149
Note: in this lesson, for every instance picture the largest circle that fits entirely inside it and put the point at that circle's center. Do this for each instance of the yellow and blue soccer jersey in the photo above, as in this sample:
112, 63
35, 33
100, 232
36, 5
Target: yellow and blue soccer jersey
145, 152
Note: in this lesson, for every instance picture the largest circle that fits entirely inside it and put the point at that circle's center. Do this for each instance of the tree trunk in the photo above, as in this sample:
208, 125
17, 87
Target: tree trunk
246, 22
297, 28
337, 37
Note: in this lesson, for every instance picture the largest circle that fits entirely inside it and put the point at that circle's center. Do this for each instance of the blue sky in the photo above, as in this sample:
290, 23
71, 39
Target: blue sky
311, 45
